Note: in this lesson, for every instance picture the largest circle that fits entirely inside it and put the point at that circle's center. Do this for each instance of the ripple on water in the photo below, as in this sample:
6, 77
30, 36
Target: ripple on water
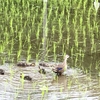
73, 86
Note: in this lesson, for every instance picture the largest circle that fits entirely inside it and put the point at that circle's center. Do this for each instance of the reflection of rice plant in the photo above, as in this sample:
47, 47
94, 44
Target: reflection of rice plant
29, 96
44, 90
16, 95
11, 73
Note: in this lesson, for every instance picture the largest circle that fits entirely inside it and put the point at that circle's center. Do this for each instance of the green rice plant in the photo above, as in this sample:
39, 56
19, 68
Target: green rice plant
79, 4
61, 88
72, 50
6, 36
34, 84
56, 12
60, 30
53, 30
28, 53
11, 72
22, 80
81, 22
81, 53
97, 65
16, 95
69, 84
76, 38
54, 51
92, 41
18, 54
76, 60
84, 5
49, 14
54, 48
37, 57
63, 48
44, 90
89, 13
3, 60
68, 39
28, 38
29, 97
37, 34
20, 40
96, 29
67, 23
12, 45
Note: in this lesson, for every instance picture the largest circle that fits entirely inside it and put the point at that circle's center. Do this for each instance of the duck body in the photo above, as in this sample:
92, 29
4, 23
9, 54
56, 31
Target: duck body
44, 64
42, 71
24, 64
25, 77
60, 68
2, 72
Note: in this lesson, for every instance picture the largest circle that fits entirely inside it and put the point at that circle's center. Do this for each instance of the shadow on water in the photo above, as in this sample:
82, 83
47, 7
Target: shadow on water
74, 85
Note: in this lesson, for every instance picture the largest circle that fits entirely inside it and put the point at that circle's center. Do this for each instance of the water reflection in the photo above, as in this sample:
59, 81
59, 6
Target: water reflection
75, 86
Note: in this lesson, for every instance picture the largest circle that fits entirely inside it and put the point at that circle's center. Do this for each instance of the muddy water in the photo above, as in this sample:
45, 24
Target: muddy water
73, 85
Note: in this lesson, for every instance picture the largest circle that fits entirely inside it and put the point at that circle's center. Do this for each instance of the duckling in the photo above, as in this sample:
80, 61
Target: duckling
42, 71
43, 64
60, 68
2, 72
24, 64
25, 77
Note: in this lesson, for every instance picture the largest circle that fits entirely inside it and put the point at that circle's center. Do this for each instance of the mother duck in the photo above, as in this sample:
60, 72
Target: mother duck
60, 68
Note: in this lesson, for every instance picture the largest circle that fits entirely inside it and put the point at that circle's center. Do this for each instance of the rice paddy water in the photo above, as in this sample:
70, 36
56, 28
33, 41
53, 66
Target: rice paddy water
46, 30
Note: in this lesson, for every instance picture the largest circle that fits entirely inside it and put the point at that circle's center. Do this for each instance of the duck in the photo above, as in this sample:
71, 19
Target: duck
2, 72
25, 77
60, 68
42, 71
24, 64
44, 64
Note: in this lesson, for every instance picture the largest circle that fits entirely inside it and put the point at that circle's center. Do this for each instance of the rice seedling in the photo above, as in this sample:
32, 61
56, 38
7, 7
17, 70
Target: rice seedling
60, 30
84, 37
29, 97
44, 90
22, 80
37, 57
16, 95
84, 5
28, 54
69, 84
37, 34
11, 73
18, 54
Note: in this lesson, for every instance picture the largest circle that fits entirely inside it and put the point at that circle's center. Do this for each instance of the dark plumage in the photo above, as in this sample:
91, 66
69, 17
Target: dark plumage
2, 72
43, 64
24, 64
25, 77
42, 71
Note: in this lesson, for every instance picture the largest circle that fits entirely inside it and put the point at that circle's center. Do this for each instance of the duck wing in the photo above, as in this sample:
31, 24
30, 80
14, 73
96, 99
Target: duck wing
58, 68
